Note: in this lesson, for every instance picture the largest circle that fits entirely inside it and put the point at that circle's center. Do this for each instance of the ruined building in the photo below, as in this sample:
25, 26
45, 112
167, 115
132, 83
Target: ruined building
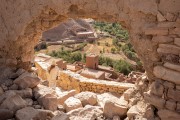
154, 27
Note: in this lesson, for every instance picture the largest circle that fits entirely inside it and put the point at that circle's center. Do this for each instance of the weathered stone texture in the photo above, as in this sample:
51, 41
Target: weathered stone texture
154, 32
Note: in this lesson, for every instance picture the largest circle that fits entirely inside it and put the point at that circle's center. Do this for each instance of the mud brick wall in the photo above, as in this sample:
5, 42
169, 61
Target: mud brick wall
70, 80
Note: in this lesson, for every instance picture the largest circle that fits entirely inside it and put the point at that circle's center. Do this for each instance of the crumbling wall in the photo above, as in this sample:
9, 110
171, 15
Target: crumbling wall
153, 26
70, 80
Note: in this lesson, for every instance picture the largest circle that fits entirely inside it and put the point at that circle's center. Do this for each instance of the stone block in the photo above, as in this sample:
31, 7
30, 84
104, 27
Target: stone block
167, 24
13, 103
160, 17
87, 98
168, 115
156, 31
177, 87
65, 95
133, 111
162, 39
175, 31
27, 80
168, 6
167, 74
128, 94
170, 104
72, 103
168, 84
168, 49
170, 17
174, 94
157, 88
172, 66
49, 102
177, 41
154, 100
29, 113
112, 108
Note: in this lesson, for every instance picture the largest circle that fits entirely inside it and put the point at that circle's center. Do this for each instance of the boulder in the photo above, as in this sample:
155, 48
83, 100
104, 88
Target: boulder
168, 115
114, 108
72, 103
154, 100
30, 113
133, 111
49, 102
13, 103
87, 113
173, 94
20, 71
5, 73
63, 96
27, 80
171, 104
87, 98
6, 114
106, 96
128, 94
8, 82
13, 87
41, 90
26, 93
7, 94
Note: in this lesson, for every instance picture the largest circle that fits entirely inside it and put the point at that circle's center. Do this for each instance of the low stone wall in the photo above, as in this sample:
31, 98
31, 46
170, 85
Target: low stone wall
69, 80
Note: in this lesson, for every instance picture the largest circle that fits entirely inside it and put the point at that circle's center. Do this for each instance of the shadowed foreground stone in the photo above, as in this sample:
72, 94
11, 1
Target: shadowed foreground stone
6, 114
30, 113
13, 103
27, 80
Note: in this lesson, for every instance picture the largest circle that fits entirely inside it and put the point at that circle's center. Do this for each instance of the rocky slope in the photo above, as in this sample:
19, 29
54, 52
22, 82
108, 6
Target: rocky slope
24, 97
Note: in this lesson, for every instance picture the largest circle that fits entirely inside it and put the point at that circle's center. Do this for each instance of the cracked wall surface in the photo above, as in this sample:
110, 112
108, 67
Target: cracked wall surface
154, 27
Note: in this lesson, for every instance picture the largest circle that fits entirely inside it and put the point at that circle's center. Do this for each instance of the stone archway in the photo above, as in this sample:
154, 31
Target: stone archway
153, 26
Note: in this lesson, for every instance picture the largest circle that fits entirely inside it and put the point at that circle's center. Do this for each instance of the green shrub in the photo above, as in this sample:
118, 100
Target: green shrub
123, 67
114, 29
105, 61
119, 65
76, 56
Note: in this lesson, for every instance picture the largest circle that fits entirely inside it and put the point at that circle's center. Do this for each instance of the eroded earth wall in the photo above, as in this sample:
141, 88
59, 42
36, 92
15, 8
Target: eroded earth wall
154, 27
